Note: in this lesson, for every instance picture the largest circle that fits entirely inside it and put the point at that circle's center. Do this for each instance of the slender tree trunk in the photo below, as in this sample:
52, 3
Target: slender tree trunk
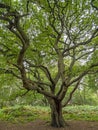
56, 114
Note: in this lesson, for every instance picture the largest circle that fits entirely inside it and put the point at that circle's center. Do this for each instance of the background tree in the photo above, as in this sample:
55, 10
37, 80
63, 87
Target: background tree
87, 92
47, 45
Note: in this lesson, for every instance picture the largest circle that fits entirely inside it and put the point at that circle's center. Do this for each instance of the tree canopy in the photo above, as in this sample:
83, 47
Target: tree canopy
49, 46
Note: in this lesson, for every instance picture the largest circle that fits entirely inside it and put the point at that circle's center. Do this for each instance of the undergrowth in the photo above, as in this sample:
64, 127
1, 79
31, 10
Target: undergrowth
22, 114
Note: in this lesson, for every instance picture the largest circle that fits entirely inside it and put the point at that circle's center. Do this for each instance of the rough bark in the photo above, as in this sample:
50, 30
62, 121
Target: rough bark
57, 119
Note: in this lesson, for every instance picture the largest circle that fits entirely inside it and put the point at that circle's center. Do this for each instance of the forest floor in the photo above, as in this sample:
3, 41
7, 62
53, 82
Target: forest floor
43, 125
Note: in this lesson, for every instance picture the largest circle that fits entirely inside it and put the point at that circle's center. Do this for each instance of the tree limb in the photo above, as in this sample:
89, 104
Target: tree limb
83, 74
92, 4
95, 34
71, 94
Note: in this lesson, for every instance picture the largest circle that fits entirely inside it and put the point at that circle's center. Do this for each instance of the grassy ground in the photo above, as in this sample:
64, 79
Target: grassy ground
29, 113
89, 113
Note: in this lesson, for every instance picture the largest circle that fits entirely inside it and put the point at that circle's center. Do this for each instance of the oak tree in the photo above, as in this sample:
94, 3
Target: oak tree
48, 46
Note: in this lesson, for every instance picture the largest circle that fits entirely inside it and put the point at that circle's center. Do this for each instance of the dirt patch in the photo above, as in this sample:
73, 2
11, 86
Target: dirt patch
42, 125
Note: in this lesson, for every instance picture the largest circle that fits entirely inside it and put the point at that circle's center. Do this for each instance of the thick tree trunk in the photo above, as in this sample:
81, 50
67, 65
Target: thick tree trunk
56, 114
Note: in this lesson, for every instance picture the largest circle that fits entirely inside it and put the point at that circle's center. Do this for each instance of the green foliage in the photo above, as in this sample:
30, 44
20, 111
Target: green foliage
20, 97
92, 82
24, 114
84, 112
18, 114
85, 96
